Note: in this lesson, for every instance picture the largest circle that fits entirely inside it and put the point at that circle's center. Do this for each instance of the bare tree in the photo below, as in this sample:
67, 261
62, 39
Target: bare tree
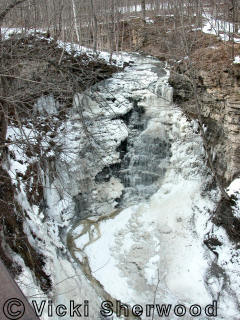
10, 6
75, 20
95, 26
111, 29
143, 5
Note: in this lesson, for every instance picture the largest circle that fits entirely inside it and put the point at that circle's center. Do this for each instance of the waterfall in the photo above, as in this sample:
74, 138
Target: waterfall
156, 233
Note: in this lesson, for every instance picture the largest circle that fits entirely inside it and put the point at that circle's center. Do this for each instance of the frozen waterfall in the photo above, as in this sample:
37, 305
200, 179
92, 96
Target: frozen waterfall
156, 236
127, 214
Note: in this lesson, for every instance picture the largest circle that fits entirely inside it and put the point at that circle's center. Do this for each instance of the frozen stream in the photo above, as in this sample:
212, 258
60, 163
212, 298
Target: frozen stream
151, 248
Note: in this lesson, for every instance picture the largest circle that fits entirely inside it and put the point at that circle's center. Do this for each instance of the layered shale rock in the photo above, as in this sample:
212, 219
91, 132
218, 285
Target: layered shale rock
219, 96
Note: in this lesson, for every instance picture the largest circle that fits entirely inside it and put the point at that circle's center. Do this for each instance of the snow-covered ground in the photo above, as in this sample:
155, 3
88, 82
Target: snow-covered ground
220, 28
136, 8
236, 60
234, 190
73, 48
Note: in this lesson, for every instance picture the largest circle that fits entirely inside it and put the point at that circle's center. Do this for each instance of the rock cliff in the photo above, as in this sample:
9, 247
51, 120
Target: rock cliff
218, 91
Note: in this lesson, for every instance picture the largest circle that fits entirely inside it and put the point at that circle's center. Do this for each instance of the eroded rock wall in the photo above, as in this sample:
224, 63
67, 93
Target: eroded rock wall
220, 109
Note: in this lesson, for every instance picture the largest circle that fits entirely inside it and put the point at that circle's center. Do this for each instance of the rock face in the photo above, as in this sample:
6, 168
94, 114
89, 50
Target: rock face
220, 109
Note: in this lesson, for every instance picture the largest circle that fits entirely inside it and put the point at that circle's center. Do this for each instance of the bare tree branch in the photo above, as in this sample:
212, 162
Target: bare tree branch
9, 8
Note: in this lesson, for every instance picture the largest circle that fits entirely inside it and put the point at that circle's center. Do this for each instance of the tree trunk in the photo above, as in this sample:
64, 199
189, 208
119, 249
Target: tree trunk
143, 5
110, 29
95, 27
9, 8
75, 20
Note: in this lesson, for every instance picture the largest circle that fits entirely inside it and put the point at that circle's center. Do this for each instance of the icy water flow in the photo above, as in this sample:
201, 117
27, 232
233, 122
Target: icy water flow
155, 238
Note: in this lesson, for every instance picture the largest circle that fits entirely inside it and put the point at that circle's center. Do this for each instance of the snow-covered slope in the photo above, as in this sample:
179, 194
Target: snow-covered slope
220, 28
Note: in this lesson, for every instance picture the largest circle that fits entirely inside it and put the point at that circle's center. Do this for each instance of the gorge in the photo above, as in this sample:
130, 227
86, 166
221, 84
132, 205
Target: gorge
120, 183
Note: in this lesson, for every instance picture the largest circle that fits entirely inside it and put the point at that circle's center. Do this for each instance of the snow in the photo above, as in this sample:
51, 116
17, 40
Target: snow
234, 190
156, 237
136, 8
219, 28
149, 20
236, 60
46, 104
8, 32
74, 48
19, 163
68, 282
117, 58
228, 262
103, 266
234, 187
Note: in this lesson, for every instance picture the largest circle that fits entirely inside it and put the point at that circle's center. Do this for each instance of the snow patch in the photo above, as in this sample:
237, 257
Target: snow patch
236, 60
